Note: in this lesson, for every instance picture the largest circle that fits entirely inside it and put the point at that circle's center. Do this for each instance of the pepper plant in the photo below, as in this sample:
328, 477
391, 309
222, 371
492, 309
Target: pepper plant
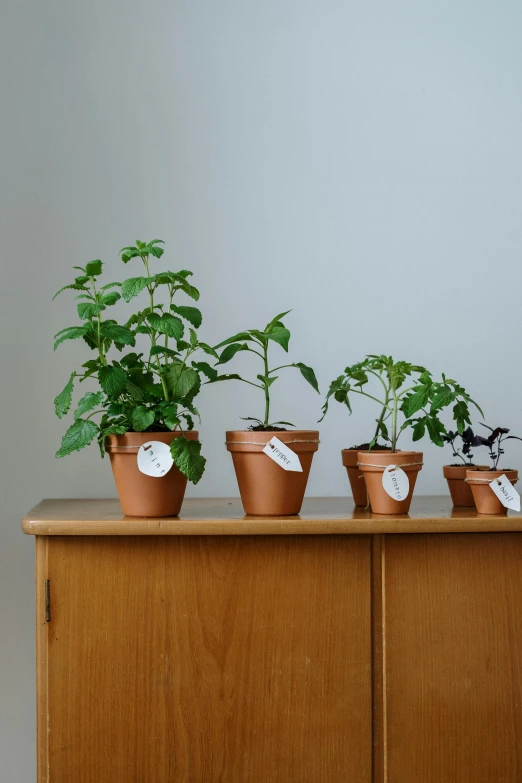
406, 391
151, 391
258, 342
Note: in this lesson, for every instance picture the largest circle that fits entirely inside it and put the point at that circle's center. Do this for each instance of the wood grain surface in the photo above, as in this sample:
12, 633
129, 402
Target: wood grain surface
452, 629
194, 659
224, 516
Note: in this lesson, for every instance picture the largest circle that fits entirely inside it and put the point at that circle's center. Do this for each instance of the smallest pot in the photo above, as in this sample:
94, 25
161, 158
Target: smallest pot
373, 464
485, 499
460, 490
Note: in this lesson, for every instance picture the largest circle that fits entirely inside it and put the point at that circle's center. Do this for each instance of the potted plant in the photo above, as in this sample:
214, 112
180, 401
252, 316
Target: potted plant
480, 479
138, 397
408, 392
455, 474
266, 488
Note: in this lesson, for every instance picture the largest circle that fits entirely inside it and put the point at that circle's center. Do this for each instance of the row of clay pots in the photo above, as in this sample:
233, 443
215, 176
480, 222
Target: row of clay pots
268, 490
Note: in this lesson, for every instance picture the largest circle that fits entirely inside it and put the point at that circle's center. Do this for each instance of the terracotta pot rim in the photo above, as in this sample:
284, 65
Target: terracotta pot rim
130, 442
478, 479
400, 458
453, 471
248, 441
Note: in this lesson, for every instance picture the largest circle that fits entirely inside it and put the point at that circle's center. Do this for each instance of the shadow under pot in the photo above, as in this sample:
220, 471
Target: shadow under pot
355, 476
485, 499
141, 495
460, 490
373, 465
265, 487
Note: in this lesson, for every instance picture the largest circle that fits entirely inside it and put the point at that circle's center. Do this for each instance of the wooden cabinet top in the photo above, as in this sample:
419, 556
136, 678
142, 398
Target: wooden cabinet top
225, 516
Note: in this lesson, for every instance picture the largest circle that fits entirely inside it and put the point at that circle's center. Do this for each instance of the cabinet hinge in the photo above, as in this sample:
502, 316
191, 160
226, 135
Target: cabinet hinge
47, 601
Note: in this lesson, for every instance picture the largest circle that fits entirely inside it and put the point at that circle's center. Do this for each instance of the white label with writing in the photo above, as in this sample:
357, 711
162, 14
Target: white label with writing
280, 453
396, 482
506, 492
154, 458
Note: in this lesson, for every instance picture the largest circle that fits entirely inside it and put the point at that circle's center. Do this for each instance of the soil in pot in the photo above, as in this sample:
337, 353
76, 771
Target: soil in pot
373, 464
485, 499
460, 490
141, 495
267, 489
355, 477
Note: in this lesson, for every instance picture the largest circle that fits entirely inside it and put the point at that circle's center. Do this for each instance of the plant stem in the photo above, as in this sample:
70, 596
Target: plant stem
382, 416
394, 421
266, 387
152, 331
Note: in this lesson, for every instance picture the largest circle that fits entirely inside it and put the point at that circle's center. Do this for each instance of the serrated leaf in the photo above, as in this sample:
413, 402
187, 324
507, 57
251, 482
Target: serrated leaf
114, 429
89, 309
187, 458
142, 418
435, 429
442, 398
230, 351
113, 380
87, 403
190, 314
116, 333
133, 286
79, 435
180, 380
206, 369
109, 285
308, 374
71, 333
73, 286
111, 298
233, 377
161, 349
167, 324
416, 401
94, 268
62, 402
116, 409
419, 429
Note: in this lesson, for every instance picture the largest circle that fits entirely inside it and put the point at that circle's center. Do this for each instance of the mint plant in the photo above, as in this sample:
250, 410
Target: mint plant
258, 342
406, 390
153, 391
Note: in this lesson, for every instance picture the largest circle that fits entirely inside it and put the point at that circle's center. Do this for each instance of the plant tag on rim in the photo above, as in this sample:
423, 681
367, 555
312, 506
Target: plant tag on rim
280, 453
396, 482
154, 458
506, 492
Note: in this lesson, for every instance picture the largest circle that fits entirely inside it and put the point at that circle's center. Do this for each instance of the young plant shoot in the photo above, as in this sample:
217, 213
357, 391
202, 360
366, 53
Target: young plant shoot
139, 392
468, 440
494, 443
258, 343
402, 390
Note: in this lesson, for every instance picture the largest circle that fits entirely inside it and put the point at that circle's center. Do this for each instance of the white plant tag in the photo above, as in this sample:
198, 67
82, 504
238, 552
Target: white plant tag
396, 482
506, 492
154, 458
280, 453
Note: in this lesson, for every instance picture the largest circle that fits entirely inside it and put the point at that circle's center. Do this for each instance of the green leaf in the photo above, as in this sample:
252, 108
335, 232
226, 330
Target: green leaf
281, 336
109, 285
233, 377
267, 379
442, 398
79, 435
187, 458
419, 429
113, 380
94, 268
308, 374
276, 320
133, 286
435, 430
190, 314
208, 350
116, 409
71, 333
142, 418
206, 369
87, 403
157, 252
114, 429
181, 380
73, 286
231, 350
116, 333
161, 349
416, 401
111, 298
62, 402
89, 309
167, 324
236, 338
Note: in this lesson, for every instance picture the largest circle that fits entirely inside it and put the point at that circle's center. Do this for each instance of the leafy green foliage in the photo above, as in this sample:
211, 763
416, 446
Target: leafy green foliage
152, 392
420, 403
257, 342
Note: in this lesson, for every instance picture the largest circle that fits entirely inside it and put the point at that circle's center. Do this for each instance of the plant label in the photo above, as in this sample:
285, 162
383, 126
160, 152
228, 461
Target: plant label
280, 453
396, 482
506, 492
154, 458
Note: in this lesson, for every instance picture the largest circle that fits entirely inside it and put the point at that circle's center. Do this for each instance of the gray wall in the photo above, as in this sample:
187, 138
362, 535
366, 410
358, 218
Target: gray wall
358, 162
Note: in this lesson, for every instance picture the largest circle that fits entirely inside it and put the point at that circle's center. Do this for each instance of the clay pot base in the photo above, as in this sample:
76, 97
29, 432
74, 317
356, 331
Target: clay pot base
372, 465
355, 476
460, 490
141, 495
267, 489
485, 499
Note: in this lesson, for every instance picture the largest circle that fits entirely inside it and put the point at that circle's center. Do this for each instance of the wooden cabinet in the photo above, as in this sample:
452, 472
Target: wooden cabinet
335, 646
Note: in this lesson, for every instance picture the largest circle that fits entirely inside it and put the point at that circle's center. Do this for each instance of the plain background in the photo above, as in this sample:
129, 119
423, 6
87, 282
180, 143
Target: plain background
359, 163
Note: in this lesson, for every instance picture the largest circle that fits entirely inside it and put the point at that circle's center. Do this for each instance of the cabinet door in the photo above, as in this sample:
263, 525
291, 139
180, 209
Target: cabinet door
452, 623
206, 659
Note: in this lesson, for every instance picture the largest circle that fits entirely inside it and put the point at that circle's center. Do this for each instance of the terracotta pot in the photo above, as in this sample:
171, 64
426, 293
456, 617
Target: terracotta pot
141, 495
267, 489
355, 477
372, 465
460, 490
485, 499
